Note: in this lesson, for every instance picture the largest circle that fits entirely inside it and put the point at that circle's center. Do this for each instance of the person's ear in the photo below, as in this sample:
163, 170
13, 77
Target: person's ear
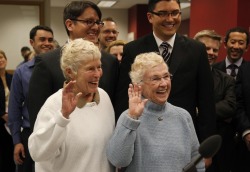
149, 16
32, 42
69, 24
70, 74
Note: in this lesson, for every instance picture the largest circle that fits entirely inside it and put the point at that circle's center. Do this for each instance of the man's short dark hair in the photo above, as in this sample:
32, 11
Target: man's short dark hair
237, 29
39, 27
23, 49
75, 8
152, 3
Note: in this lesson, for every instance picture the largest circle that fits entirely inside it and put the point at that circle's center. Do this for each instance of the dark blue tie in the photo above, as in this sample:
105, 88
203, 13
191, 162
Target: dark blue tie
165, 53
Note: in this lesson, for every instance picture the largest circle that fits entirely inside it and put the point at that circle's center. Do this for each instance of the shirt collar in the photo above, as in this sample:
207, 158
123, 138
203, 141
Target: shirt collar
170, 41
238, 63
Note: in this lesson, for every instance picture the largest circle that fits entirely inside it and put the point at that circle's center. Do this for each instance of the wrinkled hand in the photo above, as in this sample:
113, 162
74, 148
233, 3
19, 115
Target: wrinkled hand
136, 104
18, 152
247, 141
69, 99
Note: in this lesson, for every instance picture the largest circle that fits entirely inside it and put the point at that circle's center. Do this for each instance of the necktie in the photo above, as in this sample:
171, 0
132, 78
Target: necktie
165, 53
232, 67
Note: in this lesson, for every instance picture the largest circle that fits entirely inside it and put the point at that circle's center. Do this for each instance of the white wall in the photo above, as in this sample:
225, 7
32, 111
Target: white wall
16, 25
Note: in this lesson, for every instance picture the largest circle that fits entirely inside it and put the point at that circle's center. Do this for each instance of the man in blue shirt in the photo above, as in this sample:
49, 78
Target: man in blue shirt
41, 39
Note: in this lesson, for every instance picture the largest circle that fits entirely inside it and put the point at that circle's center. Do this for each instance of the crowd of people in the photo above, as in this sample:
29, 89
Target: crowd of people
98, 103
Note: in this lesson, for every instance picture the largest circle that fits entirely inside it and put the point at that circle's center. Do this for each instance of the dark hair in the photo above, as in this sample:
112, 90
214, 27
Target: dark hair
3, 53
152, 3
108, 19
75, 8
39, 27
237, 29
25, 49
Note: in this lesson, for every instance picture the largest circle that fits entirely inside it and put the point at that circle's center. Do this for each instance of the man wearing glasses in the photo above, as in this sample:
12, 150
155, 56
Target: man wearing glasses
108, 33
192, 83
82, 19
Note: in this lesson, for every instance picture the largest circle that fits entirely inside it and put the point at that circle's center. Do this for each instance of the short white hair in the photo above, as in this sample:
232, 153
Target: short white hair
77, 52
143, 62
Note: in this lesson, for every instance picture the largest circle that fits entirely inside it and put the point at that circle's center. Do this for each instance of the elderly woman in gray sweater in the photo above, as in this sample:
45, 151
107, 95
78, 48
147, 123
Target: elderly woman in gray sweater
152, 135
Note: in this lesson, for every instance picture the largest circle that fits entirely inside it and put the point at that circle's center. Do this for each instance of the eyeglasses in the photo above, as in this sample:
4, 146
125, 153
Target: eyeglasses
90, 23
164, 14
110, 31
158, 79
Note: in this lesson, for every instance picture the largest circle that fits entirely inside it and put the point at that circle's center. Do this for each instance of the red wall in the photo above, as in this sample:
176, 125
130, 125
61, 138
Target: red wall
138, 22
219, 16
204, 14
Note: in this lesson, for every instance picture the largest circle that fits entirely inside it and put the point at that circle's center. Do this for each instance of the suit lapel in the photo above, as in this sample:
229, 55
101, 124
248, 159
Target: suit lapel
150, 44
177, 54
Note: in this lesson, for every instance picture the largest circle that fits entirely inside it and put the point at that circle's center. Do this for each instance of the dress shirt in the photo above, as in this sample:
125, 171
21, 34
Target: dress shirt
238, 63
170, 42
18, 112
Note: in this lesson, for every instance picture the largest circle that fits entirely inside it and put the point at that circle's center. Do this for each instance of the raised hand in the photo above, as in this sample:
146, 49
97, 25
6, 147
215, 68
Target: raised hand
136, 104
69, 99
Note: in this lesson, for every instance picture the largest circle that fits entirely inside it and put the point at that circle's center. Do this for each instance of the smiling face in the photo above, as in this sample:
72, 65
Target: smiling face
156, 84
42, 42
88, 76
165, 26
236, 46
108, 33
79, 29
212, 47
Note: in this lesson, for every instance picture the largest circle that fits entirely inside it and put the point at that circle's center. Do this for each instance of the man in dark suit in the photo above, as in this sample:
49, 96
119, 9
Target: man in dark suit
192, 83
242, 158
82, 19
236, 43
225, 102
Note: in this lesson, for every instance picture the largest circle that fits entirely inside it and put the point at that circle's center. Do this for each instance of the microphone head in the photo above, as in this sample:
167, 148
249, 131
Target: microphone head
210, 146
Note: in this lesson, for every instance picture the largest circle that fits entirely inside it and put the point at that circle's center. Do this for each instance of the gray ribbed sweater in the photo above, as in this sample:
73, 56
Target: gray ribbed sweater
162, 140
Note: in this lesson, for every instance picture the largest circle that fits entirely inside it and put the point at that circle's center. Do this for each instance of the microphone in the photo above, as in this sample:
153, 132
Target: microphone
207, 149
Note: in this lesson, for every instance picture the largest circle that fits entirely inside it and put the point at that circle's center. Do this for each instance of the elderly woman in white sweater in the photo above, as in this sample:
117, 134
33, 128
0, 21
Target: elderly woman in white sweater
152, 135
74, 125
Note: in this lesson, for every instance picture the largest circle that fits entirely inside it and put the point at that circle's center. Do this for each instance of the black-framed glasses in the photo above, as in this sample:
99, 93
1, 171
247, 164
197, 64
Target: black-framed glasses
163, 14
90, 23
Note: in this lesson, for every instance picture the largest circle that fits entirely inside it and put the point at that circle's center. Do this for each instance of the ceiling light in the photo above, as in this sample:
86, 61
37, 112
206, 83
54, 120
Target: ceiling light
106, 4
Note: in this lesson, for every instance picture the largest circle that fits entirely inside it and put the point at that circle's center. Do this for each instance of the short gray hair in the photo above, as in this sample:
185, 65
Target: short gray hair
77, 52
142, 63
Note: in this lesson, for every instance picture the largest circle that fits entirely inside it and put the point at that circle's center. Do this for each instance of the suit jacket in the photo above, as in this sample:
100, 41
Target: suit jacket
243, 98
222, 65
224, 95
47, 78
192, 83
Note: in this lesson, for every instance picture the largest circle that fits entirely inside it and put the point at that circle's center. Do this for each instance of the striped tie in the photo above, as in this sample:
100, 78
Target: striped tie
165, 53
